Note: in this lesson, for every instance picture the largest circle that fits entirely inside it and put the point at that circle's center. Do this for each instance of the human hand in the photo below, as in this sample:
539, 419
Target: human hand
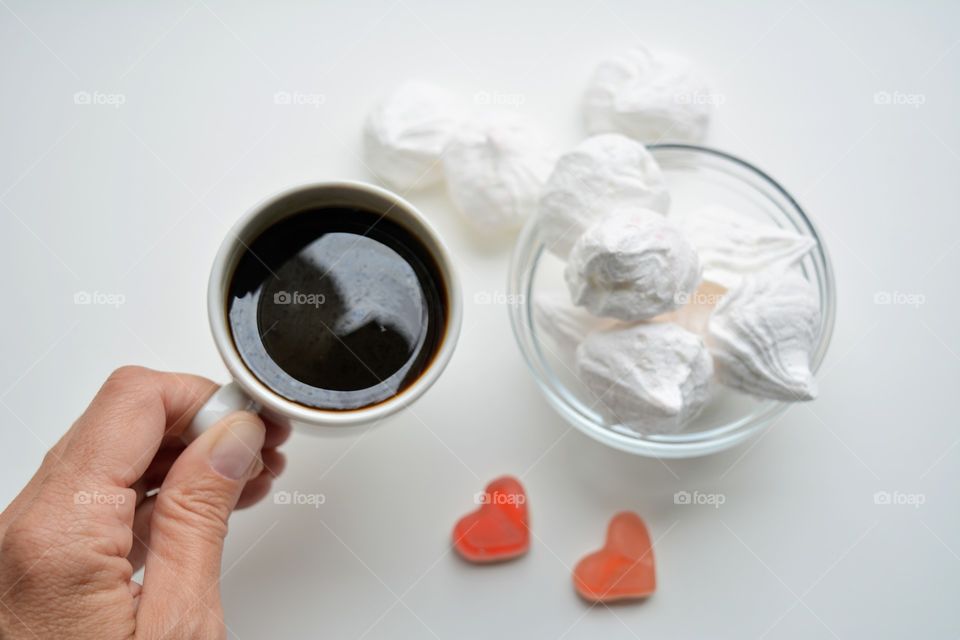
72, 540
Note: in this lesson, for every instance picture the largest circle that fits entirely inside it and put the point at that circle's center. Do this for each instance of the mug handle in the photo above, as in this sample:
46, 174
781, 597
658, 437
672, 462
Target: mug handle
225, 400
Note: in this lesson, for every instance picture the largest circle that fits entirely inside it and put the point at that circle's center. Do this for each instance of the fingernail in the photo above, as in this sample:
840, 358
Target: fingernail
237, 449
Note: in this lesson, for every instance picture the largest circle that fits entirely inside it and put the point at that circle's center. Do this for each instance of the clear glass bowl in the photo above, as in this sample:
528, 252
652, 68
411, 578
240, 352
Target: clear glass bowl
696, 176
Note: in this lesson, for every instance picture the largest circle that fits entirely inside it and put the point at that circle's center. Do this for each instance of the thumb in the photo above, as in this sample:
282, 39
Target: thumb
189, 523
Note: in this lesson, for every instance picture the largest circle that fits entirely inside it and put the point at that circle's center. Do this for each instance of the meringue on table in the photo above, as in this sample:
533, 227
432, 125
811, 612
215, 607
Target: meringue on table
649, 377
598, 176
762, 336
652, 97
495, 166
633, 265
406, 133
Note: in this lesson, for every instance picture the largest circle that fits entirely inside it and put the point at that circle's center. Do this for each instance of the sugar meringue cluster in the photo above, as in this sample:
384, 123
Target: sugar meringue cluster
493, 162
662, 305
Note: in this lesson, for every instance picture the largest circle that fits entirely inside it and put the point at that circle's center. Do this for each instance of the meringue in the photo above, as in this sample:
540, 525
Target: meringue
762, 335
633, 265
600, 175
650, 97
406, 134
649, 377
731, 245
495, 166
566, 325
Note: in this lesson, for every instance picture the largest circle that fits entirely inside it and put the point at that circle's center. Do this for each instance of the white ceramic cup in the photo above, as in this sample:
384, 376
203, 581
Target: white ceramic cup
246, 391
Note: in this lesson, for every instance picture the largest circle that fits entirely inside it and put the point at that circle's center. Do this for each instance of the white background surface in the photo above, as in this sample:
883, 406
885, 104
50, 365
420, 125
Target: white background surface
135, 200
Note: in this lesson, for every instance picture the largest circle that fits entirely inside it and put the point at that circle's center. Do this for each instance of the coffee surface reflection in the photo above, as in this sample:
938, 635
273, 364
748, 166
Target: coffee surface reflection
336, 308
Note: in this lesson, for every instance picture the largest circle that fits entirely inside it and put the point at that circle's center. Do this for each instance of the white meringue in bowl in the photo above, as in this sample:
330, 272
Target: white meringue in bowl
649, 377
696, 177
731, 245
633, 265
565, 325
762, 336
598, 176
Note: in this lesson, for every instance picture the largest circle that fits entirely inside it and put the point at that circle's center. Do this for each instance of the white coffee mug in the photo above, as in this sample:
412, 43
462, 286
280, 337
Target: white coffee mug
246, 391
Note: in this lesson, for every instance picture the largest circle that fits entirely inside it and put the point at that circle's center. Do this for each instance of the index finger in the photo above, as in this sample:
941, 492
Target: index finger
117, 436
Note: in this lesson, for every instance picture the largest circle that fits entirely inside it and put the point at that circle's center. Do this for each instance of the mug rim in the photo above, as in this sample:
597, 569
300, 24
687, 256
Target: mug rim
221, 272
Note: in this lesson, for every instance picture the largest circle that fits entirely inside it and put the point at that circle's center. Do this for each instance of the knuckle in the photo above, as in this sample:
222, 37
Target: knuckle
129, 391
129, 378
17, 544
199, 507
130, 372
52, 457
29, 543
42, 548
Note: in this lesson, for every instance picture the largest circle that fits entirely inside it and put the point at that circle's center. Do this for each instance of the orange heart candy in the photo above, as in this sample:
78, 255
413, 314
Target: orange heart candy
623, 568
499, 529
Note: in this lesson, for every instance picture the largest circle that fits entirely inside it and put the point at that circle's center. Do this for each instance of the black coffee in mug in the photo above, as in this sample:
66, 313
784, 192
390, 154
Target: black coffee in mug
337, 308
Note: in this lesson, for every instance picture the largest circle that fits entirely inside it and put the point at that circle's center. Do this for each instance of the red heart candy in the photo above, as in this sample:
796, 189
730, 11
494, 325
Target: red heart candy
623, 568
499, 529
